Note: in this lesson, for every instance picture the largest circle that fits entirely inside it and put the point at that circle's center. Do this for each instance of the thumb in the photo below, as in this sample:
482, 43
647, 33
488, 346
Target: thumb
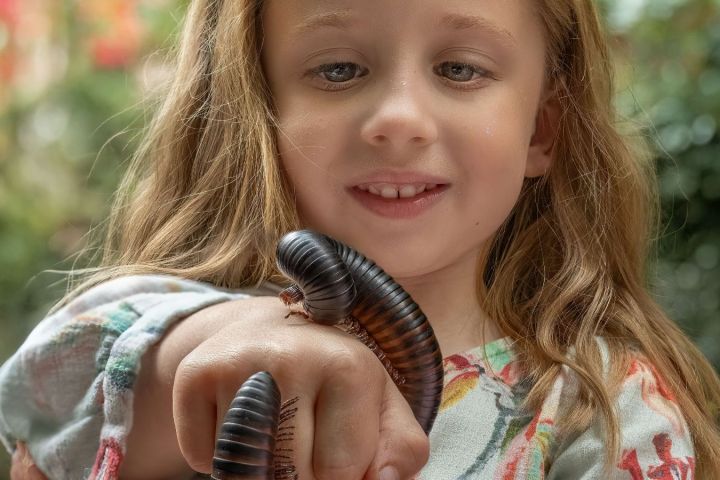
23, 466
403, 448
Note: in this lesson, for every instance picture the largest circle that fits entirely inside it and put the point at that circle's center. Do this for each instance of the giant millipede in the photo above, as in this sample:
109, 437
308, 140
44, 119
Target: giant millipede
337, 286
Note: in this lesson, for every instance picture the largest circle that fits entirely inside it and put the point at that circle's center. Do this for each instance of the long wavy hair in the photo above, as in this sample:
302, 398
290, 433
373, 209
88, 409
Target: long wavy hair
205, 199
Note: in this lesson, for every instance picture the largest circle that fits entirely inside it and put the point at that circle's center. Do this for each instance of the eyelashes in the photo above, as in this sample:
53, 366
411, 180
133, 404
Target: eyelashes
343, 75
339, 71
458, 71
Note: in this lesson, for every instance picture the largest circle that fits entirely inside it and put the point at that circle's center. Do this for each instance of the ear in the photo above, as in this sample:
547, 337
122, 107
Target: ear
542, 143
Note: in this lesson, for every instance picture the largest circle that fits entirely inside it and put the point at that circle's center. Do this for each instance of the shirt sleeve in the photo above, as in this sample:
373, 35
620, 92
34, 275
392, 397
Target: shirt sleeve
655, 440
67, 392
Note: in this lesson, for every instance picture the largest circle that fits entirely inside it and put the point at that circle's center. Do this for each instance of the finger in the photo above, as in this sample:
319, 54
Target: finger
347, 417
200, 416
244, 429
194, 412
403, 446
293, 449
23, 467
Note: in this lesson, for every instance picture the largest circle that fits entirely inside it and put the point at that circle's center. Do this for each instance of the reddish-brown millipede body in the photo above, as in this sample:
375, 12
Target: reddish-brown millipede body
338, 286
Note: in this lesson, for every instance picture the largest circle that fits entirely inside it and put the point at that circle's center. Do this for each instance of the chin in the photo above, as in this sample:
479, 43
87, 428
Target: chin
399, 261
400, 255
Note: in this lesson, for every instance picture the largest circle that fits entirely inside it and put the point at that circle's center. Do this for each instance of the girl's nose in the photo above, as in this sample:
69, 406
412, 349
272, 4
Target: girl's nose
400, 119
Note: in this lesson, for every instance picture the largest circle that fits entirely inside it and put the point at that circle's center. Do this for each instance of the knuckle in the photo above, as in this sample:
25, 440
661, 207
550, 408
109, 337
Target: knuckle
191, 370
334, 472
186, 374
354, 365
196, 463
345, 360
421, 445
409, 449
416, 449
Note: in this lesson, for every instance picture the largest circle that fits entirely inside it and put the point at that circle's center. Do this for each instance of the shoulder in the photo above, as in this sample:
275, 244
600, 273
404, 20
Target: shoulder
651, 422
642, 395
644, 391
655, 441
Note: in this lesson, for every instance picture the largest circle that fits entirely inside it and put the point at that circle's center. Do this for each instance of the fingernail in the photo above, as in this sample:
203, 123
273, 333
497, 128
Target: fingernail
389, 473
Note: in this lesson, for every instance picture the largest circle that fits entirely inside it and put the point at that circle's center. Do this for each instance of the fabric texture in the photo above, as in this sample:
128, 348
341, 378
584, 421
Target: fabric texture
481, 431
67, 393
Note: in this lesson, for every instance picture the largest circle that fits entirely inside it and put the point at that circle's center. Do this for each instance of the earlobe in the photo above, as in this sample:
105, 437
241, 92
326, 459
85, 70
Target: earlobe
542, 143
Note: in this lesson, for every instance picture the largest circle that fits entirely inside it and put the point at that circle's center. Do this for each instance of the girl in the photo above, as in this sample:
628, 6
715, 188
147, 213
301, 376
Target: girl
468, 148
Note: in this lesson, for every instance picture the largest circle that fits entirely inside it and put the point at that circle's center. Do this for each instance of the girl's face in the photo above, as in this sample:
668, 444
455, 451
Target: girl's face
380, 99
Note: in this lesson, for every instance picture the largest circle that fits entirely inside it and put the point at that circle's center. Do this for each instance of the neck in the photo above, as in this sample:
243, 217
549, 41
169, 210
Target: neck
448, 297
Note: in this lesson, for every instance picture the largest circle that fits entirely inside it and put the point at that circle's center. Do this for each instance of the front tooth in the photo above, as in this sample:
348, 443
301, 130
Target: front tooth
388, 192
408, 191
373, 189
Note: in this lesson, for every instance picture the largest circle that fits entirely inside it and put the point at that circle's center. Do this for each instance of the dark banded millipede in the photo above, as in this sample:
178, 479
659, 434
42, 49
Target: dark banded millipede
337, 286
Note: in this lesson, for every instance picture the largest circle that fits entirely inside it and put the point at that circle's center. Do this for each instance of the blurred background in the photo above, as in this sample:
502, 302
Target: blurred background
78, 80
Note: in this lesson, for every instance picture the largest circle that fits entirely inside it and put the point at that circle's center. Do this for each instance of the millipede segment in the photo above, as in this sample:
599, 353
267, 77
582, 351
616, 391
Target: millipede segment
337, 286
246, 443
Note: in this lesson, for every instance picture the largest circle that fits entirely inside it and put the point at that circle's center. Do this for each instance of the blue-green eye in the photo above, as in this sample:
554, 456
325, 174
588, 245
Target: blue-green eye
339, 72
460, 72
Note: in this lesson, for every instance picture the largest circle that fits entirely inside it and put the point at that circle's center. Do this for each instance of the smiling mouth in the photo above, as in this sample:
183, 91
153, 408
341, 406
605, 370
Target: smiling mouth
393, 191
389, 202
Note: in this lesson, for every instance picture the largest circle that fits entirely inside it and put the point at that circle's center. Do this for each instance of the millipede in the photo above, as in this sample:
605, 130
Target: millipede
337, 286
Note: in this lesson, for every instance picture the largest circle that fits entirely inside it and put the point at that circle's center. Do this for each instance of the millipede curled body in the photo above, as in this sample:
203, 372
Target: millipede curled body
339, 286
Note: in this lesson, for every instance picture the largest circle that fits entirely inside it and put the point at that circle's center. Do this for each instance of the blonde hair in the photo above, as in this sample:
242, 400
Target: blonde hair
569, 264
205, 199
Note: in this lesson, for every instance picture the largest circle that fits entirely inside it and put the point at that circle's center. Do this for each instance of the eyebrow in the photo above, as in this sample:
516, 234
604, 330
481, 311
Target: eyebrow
453, 21
340, 20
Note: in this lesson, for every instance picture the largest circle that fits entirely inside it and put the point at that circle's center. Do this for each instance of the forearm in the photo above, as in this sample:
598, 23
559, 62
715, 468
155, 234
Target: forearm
152, 448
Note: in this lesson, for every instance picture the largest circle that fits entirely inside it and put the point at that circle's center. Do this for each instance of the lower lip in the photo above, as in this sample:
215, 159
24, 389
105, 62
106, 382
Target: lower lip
399, 207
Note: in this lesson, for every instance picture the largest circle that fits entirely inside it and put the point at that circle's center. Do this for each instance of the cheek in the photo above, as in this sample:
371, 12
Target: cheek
497, 125
297, 130
299, 145
306, 155
495, 151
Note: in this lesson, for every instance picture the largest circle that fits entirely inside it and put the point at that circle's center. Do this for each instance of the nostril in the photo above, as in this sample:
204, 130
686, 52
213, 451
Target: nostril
379, 139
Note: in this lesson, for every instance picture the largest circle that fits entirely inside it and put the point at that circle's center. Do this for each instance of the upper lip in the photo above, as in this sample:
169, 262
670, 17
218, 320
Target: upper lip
399, 178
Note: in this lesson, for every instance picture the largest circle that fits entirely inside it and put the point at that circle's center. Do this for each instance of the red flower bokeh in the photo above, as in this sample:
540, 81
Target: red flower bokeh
116, 32
9, 14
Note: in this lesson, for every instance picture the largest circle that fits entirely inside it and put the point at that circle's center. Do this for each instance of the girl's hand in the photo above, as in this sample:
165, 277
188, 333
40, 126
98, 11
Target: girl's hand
23, 467
351, 421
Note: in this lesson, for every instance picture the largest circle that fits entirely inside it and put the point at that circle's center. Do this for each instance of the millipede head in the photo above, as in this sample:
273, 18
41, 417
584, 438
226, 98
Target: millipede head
292, 294
309, 259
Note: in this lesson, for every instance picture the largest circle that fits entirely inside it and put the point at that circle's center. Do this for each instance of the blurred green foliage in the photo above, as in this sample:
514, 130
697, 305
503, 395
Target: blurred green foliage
64, 143
669, 59
71, 112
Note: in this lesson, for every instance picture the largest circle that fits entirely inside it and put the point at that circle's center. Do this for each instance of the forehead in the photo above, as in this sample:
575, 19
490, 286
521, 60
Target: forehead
511, 21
